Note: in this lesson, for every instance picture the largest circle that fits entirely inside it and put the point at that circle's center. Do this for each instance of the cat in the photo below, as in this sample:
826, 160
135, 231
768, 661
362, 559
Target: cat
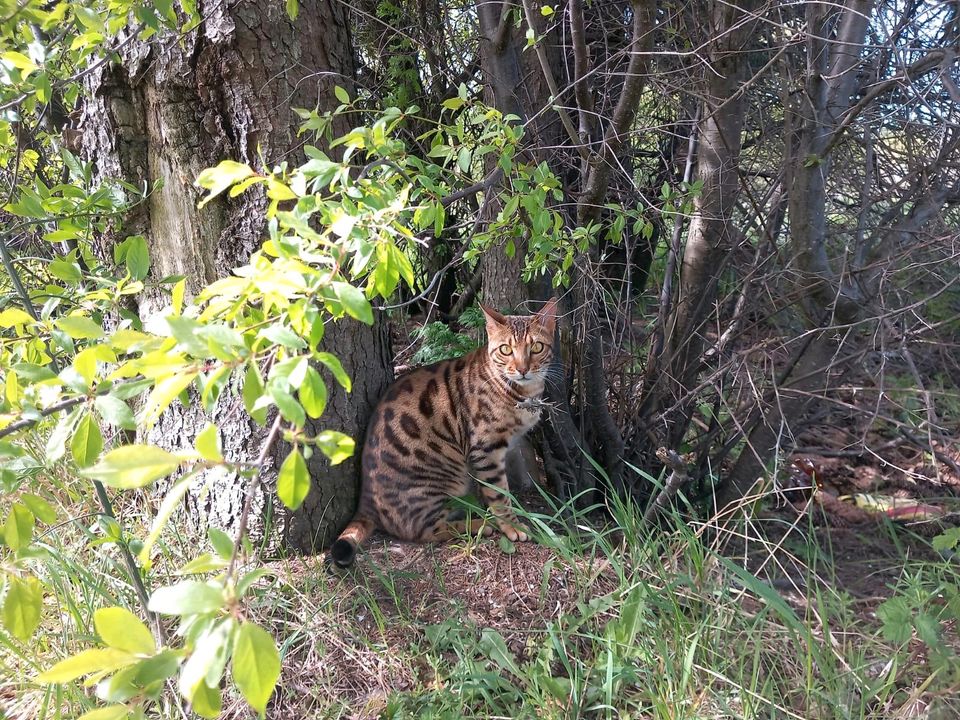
441, 426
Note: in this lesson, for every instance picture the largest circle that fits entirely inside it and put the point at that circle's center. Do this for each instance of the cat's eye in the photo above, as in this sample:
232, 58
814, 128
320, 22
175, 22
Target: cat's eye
537, 347
505, 350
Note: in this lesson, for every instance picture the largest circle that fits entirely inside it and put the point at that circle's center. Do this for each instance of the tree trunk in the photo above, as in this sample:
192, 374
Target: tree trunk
176, 106
514, 84
709, 235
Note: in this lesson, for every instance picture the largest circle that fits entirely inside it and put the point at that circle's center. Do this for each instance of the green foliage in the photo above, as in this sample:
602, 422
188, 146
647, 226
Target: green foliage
926, 604
83, 378
85, 371
438, 342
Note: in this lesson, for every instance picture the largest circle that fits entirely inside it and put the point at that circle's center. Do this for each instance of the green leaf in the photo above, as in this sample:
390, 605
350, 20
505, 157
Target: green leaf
87, 442
80, 327
121, 629
453, 103
133, 466
18, 530
293, 482
494, 647
220, 337
336, 446
41, 509
403, 265
85, 663
354, 302
290, 372
252, 391
217, 179
313, 393
221, 542
208, 443
20, 61
186, 331
506, 546
22, 606
88, 18
203, 564
85, 363
256, 665
130, 389
34, 373
176, 296
115, 411
15, 316
189, 597
161, 666
290, 409
208, 659
463, 159
293, 9
119, 688
947, 540
206, 701
332, 363
626, 627
928, 629
282, 335
137, 258
65, 270
111, 712
342, 95
164, 393
247, 581
896, 616
56, 445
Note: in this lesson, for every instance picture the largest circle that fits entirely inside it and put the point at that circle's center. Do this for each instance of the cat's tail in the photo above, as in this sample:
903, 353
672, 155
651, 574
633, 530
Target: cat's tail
344, 549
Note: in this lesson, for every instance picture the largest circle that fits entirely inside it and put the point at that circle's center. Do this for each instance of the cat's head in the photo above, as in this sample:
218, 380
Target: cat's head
520, 347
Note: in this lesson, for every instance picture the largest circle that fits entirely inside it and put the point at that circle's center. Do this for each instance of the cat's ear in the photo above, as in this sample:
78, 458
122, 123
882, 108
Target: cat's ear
493, 317
547, 315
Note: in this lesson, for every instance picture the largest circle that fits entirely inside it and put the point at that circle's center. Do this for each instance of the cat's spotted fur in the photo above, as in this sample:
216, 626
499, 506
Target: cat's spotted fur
439, 427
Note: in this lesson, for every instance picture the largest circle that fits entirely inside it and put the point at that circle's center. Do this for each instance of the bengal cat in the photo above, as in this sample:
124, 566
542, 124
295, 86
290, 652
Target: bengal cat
440, 427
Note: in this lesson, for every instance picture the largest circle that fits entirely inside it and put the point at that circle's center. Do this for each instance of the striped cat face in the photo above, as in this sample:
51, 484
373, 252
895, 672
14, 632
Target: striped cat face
520, 347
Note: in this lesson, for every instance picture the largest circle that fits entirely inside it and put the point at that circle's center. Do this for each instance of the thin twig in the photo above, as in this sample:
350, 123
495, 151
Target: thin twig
62, 405
251, 491
941, 456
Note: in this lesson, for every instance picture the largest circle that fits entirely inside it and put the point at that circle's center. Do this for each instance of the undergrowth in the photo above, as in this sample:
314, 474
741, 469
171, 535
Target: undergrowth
604, 618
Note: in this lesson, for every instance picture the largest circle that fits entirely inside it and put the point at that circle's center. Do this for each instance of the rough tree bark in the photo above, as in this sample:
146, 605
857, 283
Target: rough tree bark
175, 106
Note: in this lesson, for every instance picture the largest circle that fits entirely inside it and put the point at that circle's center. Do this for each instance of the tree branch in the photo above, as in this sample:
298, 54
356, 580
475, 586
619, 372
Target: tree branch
251, 490
552, 84
598, 178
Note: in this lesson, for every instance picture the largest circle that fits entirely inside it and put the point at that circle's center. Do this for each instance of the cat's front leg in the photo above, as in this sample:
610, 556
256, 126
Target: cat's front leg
490, 467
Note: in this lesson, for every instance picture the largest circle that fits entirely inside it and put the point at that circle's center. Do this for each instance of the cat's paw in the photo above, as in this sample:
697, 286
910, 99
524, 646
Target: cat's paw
515, 531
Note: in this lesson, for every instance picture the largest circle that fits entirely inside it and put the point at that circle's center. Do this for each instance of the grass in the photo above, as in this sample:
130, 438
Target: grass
749, 619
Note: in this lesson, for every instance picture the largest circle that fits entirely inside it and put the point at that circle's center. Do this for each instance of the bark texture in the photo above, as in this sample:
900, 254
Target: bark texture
175, 106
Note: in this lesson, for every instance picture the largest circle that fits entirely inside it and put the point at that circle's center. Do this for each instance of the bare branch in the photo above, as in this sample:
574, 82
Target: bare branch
641, 42
552, 84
